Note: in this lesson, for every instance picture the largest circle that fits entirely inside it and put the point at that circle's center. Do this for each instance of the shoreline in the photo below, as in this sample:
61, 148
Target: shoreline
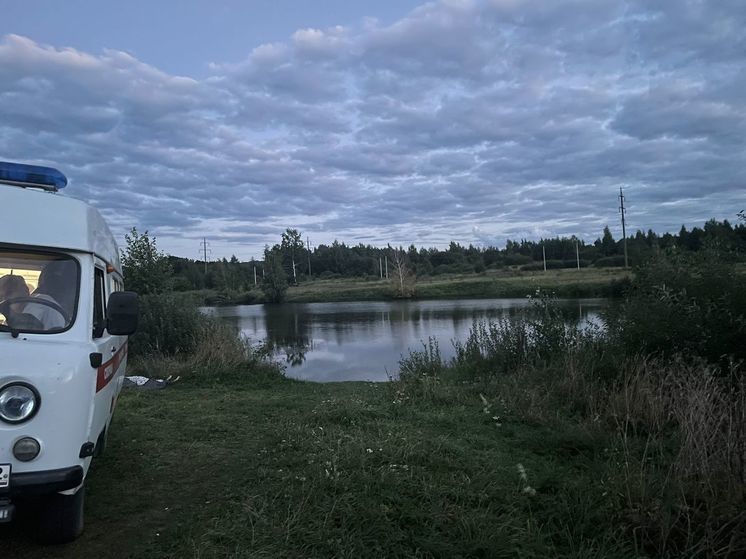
584, 283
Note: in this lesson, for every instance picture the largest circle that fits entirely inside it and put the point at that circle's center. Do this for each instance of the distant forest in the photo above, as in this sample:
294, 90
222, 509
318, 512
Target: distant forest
339, 260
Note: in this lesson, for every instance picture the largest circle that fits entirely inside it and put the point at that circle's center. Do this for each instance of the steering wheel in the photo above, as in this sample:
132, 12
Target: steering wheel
5, 305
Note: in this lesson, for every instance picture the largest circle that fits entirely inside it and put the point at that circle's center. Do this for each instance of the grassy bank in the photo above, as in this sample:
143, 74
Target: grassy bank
286, 469
587, 282
432, 466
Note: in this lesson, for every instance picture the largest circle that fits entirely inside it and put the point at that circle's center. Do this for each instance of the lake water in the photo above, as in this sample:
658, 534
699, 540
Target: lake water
365, 340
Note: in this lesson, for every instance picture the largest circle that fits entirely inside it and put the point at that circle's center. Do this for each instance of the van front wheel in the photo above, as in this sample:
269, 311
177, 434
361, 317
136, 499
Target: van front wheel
61, 517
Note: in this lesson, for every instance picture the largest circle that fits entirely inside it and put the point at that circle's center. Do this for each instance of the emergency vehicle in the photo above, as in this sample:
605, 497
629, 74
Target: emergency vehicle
64, 322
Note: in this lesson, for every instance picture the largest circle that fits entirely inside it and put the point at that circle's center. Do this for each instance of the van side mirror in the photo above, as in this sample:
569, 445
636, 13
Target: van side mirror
122, 311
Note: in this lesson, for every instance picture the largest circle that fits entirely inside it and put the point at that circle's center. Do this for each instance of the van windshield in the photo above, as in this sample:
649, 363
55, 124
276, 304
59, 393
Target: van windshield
38, 291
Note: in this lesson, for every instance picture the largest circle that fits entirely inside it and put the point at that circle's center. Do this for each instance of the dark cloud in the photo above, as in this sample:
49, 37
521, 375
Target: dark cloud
467, 120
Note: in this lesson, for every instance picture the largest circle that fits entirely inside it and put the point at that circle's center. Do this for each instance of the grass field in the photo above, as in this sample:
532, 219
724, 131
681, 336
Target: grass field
586, 282
289, 469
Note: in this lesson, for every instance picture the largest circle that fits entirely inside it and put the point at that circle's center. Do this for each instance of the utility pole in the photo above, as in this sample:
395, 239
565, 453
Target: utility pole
380, 267
254, 275
204, 246
544, 255
386, 257
577, 253
308, 247
622, 210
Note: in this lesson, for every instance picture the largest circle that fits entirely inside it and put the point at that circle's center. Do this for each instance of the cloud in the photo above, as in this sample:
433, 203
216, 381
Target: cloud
465, 120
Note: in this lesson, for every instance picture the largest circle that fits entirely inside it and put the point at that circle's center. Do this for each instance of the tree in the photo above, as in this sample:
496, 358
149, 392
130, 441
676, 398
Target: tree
275, 282
403, 278
146, 270
608, 245
292, 250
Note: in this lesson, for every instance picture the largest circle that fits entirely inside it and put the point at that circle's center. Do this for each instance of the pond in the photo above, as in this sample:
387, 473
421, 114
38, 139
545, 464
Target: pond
365, 340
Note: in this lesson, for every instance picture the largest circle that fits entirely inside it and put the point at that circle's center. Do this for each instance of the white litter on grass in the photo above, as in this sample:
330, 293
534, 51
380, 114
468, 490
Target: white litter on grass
138, 380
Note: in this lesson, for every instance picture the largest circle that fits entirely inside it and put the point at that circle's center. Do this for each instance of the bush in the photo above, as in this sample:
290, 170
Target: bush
545, 335
174, 338
517, 259
168, 325
420, 372
691, 303
610, 262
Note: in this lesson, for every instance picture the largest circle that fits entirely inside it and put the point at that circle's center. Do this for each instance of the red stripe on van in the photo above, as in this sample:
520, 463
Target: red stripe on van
107, 371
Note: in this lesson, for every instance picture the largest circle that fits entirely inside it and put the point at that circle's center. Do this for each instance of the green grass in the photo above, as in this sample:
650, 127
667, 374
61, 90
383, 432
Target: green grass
586, 282
289, 469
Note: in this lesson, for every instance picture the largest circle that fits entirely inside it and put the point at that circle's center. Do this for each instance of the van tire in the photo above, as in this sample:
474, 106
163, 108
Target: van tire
61, 517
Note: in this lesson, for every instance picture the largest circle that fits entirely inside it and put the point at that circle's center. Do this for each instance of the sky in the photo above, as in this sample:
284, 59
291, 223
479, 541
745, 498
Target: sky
386, 122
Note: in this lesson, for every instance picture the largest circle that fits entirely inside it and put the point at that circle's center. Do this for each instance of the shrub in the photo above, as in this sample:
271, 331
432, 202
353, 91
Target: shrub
544, 336
610, 262
692, 303
517, 259
682, 444
420, 372
174, 338
168, 325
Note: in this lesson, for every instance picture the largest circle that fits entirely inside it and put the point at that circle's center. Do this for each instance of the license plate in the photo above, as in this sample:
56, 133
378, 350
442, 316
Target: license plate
4, 476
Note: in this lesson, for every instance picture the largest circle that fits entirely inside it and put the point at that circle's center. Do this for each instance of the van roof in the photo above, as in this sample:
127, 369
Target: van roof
37, 218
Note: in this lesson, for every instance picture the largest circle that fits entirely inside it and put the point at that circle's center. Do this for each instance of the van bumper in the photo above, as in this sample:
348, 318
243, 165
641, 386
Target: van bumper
44, 482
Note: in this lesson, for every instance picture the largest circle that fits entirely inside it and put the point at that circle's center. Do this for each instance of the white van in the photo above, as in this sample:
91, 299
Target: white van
64, 322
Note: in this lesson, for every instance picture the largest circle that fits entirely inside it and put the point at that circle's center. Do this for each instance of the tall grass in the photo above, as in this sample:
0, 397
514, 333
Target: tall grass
175, 339
674, 406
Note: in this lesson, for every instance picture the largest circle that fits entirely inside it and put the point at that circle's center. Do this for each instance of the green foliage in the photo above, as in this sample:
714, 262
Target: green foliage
274, 284
424, 363
168, 325
610, 262
365, 261
684, 302
146, 270
544, 336
607, 243
175, 338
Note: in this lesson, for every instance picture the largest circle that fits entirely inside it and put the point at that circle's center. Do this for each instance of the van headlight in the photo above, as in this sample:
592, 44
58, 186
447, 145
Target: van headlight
18, 402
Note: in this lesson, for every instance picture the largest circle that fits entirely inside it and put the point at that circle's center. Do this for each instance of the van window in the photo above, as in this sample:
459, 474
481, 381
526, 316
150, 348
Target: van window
38, 291
99, 304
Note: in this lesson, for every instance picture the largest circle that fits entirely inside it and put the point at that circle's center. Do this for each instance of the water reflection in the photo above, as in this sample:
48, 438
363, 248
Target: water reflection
365, 340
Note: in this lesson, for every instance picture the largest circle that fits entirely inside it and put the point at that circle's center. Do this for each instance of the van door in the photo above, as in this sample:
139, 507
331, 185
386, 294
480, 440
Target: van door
112, 355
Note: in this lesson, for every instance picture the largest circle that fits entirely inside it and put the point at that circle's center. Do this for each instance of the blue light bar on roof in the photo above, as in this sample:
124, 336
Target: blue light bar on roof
19, 174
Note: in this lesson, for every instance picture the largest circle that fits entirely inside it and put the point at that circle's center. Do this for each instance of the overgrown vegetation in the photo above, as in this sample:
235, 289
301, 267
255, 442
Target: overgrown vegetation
663, 388
175, 339
147, 269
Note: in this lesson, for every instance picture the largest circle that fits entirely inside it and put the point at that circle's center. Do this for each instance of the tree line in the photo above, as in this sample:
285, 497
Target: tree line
290, 261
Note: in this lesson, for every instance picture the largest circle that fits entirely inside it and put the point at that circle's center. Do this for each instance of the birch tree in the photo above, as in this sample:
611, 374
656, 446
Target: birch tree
403, 279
